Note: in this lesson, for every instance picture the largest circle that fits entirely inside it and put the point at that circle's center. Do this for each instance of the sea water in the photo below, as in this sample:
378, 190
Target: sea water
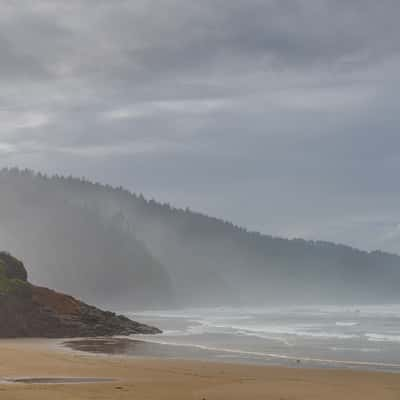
313, 336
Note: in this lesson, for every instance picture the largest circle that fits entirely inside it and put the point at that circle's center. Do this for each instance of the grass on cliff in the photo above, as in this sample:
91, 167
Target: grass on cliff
10, 286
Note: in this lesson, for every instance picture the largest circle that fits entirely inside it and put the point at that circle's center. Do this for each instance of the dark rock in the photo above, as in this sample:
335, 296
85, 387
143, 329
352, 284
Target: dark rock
31, 311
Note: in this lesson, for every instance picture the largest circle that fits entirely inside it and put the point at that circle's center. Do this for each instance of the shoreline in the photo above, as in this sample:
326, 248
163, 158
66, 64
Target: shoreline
157, 378
128, 347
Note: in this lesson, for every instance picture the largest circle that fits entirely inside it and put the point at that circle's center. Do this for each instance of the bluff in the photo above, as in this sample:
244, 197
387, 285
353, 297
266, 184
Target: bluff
27, 310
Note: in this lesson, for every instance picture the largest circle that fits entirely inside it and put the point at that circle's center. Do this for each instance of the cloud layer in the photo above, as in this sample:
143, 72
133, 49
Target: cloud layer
282, 115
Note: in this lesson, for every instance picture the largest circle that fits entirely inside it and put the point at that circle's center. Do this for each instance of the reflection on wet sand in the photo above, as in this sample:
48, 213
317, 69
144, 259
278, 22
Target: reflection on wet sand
139, 348
56, 380
107, 345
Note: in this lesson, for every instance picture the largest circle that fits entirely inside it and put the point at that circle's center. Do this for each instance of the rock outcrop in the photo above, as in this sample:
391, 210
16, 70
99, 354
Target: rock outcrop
31, 311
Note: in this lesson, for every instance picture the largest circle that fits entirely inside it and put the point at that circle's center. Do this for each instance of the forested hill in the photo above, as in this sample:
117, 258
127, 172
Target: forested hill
116, 248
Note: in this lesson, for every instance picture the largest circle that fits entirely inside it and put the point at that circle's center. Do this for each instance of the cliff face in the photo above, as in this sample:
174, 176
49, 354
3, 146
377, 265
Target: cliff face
31, 311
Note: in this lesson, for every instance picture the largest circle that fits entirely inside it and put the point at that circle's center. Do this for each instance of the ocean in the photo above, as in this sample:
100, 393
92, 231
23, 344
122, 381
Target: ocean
364, 337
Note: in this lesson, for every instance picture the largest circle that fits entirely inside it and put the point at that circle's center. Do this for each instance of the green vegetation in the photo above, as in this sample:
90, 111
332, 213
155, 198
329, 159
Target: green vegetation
10, 285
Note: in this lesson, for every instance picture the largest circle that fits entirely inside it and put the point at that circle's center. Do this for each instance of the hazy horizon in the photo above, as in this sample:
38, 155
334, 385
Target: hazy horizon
195, 211
212, 181
114, 248
281, 116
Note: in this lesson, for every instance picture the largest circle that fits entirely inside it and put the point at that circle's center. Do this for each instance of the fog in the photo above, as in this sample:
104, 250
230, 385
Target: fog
114, 248
280, 115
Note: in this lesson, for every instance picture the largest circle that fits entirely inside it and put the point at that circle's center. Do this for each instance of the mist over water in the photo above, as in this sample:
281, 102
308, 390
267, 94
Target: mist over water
222, 170
313, 336
116, 249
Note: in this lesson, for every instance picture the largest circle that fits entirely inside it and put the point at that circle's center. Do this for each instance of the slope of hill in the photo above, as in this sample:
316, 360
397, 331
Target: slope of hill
75, 250
31, 311
146, 253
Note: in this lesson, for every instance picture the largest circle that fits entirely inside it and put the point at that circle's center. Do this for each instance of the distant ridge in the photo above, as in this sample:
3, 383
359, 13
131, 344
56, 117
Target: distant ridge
162, 256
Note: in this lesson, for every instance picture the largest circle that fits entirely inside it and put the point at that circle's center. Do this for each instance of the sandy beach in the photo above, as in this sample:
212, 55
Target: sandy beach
175, 379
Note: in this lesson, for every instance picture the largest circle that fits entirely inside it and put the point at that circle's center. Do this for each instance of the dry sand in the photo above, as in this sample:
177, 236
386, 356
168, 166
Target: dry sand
169, 379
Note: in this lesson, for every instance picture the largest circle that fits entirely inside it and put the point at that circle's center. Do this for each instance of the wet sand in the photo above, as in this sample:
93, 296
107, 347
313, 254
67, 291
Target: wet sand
124, 346
56, 381
143, 378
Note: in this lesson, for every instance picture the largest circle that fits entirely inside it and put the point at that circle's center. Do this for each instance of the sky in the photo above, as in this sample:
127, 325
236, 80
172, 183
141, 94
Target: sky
282, 116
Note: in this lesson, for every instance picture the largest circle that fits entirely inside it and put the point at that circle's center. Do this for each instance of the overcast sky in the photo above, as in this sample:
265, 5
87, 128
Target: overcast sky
282, 116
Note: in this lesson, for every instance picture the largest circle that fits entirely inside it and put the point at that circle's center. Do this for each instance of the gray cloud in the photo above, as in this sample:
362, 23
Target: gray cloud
289, 109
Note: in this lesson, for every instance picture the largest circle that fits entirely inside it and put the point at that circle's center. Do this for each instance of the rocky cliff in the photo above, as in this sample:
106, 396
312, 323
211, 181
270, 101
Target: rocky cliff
31, 311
